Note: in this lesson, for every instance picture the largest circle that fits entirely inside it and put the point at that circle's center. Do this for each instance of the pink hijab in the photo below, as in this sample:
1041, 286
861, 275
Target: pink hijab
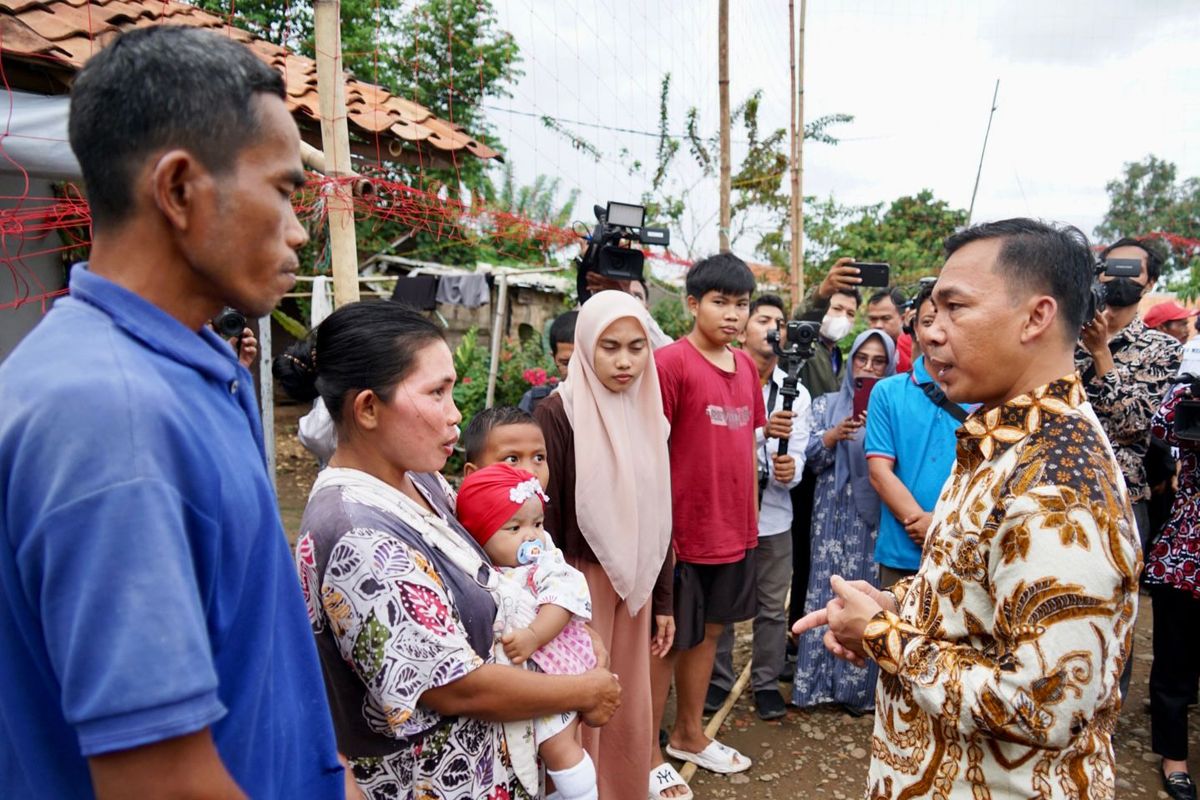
622, 472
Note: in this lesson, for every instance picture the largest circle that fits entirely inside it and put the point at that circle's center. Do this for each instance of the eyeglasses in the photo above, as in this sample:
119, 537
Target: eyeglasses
864, 360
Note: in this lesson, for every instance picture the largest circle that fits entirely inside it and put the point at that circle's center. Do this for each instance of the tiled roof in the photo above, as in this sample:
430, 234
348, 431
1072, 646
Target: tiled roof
60, 35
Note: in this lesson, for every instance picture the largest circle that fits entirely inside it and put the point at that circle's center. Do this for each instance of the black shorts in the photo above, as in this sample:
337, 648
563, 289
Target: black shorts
712, 593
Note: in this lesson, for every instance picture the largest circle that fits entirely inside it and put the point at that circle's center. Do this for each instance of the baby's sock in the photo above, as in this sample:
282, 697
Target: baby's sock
577, 782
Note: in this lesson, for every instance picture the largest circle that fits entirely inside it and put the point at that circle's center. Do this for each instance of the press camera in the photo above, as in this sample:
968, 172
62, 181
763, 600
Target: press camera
609, 251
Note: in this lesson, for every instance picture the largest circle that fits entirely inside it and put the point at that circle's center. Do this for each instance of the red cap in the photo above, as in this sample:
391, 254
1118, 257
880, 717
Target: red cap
1167, 312
491, 497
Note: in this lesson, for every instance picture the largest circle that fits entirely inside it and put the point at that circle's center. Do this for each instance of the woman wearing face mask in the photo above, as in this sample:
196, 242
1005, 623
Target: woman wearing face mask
845, 523
610, 512
401, 598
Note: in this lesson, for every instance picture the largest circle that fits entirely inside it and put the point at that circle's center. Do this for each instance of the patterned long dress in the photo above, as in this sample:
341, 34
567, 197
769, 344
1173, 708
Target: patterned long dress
393, 619
841, 544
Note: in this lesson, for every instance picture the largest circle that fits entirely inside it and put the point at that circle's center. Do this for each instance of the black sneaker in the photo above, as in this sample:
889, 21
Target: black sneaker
1178, 785
715, 698
769, 704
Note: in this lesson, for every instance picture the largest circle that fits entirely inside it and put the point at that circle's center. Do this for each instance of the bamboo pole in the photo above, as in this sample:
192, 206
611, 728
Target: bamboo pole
499, 317
723, 89
798, 180
795, 262
335, 141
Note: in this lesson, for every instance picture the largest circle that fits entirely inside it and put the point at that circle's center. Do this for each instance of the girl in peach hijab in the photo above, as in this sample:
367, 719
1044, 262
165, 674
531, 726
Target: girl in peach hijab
610, 512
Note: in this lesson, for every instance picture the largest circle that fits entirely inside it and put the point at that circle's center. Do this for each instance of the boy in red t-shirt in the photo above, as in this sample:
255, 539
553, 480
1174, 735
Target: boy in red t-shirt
713, 400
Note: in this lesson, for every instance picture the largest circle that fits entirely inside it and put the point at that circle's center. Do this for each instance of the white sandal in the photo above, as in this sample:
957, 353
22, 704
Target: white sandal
664, 777
715, 757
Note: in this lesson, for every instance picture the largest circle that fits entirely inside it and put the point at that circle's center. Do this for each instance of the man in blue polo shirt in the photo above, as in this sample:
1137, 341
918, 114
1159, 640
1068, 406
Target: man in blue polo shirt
153, 638
910, 447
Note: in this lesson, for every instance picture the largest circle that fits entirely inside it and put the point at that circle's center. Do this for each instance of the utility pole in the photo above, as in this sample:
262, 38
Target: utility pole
723, 87
992, 113
335, 140
796, 263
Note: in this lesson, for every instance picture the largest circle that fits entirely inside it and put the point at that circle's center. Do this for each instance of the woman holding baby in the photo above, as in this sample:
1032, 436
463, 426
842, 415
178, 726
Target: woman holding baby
403, 600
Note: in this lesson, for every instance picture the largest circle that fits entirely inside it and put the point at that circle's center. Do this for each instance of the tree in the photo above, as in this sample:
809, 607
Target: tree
1148, 200
448, 55
759, 196
907, 233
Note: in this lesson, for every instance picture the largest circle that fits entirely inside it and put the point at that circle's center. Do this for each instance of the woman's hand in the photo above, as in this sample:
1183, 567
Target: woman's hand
519, 645
602, 660
603, 697
846, 429
664, 635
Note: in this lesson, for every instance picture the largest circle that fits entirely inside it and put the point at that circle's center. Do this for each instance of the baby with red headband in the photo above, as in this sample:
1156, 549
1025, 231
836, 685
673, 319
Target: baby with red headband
502, 508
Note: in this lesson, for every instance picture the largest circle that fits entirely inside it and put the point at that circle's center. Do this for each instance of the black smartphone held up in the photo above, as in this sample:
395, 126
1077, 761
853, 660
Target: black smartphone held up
872, 273
1123, 267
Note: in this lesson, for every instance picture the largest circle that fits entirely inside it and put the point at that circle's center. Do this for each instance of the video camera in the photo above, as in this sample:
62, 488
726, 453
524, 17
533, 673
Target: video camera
230, 323
1113, 268
1187, 411
604, 254
801, 344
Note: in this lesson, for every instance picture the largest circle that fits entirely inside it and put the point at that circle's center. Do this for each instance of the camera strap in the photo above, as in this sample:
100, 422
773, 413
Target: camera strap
939, 399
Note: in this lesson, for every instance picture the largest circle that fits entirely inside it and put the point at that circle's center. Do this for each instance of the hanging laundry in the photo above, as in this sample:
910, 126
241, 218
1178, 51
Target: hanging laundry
322, 300
418, 291
470, 290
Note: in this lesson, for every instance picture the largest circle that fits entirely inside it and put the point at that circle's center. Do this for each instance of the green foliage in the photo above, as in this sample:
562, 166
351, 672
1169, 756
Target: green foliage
907, 233
760, 196
448, 55
522, 364
1148, 198
672, 316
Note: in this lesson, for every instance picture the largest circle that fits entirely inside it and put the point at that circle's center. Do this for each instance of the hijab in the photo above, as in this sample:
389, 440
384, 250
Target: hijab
622, 471
850, 459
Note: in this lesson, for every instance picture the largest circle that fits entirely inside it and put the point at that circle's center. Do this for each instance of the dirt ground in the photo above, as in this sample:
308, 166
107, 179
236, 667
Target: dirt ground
811, 753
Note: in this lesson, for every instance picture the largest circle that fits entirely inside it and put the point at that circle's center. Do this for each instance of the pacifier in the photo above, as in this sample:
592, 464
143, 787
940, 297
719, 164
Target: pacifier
528, 552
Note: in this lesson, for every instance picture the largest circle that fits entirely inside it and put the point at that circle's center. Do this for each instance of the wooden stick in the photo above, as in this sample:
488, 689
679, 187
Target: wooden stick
335, 141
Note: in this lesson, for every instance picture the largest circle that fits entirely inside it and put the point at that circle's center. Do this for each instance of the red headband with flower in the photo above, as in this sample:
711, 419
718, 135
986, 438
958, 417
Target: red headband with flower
491, 496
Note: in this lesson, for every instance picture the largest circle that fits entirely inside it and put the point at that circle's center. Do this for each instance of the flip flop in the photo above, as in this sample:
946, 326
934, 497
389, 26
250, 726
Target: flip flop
664, 777
716, 757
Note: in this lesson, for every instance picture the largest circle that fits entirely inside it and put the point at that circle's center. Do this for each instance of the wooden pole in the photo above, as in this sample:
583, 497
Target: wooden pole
798, 176
723, 87
335, 141
499, 317
795, 262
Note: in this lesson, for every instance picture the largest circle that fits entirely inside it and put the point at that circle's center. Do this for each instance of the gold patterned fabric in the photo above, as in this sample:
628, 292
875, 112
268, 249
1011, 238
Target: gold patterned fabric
999, 675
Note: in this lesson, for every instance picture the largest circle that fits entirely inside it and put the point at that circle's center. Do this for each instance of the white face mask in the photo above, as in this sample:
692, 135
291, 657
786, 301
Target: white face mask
835, 326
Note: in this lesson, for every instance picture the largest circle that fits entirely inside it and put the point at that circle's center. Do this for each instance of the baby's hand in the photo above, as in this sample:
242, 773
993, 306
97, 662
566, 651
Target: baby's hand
519, 645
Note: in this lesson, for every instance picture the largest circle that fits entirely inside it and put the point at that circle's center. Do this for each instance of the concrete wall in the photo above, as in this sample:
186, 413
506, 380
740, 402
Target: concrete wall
24, 265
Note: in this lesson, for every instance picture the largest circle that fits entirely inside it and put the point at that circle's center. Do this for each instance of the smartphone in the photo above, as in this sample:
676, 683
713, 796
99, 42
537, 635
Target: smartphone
1123, 267
862, 393
873, 273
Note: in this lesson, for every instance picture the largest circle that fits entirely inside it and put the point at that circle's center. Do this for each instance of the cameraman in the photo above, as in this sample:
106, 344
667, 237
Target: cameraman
1173, 575
1127, 369
777, 476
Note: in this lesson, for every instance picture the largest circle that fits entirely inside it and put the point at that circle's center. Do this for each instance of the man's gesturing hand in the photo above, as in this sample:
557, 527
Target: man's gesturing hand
846, 615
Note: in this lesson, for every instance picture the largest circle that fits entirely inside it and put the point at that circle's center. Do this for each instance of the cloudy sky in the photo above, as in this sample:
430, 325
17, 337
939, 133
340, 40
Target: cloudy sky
1085, 86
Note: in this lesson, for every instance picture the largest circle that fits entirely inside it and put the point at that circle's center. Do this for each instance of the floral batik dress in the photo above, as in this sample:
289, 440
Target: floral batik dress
393, 620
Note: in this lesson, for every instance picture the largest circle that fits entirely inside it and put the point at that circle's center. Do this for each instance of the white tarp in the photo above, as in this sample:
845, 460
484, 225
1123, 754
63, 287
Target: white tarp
34, 137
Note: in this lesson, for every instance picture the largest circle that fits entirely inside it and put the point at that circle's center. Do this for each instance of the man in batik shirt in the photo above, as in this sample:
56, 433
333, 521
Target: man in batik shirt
1127, 369
999, 661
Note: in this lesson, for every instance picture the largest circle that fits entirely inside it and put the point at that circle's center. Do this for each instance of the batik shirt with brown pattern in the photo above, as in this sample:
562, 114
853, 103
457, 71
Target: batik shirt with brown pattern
1145, 362
999, 674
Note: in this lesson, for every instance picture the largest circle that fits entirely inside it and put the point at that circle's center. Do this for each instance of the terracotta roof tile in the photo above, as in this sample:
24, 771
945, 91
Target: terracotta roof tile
68, 32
